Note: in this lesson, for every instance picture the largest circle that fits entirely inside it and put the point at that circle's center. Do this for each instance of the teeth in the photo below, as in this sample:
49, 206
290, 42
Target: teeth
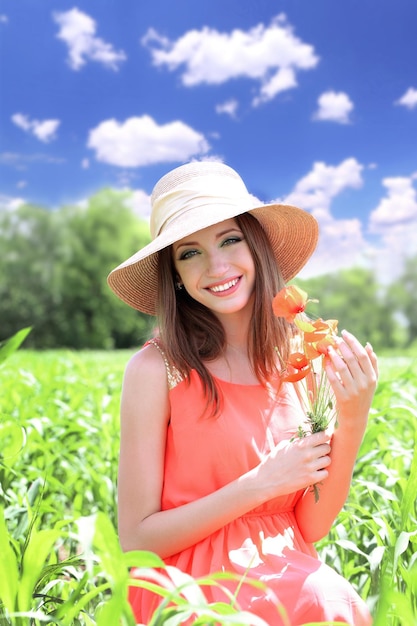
225, 286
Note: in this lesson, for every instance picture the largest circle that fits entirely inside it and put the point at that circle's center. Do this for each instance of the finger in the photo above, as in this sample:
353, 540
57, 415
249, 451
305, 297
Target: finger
320, 476
338, 374
323, 461
373, 358
355, 353
352, 361
323, 451
365, 369
341, 364
319, 439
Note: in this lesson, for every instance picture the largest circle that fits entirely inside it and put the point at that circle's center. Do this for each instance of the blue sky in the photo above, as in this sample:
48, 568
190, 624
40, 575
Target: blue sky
314, 102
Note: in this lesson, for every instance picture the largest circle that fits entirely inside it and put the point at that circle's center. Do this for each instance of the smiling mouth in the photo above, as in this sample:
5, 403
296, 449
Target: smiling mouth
224, 286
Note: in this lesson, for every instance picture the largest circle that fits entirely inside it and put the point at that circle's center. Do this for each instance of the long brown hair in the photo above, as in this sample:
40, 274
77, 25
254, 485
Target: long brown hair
192, 335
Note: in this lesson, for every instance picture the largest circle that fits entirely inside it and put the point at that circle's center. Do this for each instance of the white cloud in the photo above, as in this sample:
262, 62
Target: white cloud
229, 107
271, 55
334, 107
9, 203
140, 141
344, 243
22, 121
3, 19
398, 207
44, 130
316, 190
21, 184
21, 161
409, 99
395, 221
140, 202
78, 31
341, 243
281, 81
85, 164
136, 199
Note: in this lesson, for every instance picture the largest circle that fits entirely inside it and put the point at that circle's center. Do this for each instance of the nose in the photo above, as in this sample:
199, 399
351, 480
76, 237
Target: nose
217, 265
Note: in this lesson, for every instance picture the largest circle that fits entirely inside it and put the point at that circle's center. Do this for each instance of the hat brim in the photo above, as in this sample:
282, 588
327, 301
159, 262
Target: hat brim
292, 233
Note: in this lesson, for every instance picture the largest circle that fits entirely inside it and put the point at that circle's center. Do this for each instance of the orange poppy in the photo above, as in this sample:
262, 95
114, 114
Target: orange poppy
289, 302
299, 362
314, 349
296, 376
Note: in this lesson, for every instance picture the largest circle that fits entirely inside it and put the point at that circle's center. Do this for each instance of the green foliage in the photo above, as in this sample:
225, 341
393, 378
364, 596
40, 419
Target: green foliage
374, 542
53, 271
355, 299
403, 297
60, 560
12, 344
54, 264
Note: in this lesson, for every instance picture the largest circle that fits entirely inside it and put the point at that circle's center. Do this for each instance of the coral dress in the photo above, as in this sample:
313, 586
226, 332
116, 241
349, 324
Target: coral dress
205, 453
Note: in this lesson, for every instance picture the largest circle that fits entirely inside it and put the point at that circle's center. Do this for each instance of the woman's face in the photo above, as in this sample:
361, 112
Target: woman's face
216, 267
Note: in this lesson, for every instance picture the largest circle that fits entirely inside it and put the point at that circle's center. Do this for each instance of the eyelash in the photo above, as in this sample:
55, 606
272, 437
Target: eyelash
234, 239
188, 254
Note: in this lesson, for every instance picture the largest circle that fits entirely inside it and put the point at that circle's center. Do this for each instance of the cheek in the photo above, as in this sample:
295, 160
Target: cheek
180, 270
188, 274
247, 262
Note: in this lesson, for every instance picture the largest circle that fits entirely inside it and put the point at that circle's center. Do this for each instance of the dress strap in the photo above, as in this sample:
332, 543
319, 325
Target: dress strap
174, 376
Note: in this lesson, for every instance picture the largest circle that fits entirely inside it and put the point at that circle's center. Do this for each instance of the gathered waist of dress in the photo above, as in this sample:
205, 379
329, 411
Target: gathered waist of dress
265, 512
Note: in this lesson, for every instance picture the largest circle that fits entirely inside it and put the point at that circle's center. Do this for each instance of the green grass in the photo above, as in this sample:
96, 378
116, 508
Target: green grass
60, 559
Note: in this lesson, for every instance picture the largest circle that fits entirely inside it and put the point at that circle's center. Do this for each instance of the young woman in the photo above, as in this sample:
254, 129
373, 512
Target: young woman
211, 475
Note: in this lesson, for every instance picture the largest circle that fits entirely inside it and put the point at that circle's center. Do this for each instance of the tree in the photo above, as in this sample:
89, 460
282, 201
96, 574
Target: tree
53, 271
403, 296
29, 239
355, 299
101, 236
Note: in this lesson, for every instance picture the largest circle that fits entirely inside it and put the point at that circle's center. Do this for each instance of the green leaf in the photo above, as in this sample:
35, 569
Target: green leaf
11, 345
376, 557
8, 568
35, 555
409, 499
401, 545
186, 585
12, 439
142, 558
112, 610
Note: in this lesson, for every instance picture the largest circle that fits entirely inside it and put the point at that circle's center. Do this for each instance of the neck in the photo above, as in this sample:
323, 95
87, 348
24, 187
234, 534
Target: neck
234, 365
237, 332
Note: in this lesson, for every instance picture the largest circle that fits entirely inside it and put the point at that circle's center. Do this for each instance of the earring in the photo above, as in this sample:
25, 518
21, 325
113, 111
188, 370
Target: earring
178, 286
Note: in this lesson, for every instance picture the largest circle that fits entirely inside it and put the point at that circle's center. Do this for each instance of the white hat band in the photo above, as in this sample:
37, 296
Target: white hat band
184, 198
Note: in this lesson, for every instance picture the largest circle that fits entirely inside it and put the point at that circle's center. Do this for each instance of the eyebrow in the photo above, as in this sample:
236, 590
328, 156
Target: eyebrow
218, 236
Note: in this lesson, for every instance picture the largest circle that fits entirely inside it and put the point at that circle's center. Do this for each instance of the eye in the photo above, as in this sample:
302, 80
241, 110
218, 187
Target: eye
187, 254
231, 240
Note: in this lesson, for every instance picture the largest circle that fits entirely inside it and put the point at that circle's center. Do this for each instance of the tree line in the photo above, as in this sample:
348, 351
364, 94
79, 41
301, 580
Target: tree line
54, 265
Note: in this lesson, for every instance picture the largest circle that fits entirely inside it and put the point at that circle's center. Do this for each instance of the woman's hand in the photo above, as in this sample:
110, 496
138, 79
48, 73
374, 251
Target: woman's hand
294, 465
352, 371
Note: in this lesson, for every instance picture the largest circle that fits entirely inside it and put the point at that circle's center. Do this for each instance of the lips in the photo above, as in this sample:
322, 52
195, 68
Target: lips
224, 286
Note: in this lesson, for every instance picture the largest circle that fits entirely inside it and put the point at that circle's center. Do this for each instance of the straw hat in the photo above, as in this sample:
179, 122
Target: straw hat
197, 195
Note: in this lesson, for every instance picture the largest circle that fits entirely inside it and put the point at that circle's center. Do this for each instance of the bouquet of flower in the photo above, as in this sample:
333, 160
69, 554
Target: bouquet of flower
305, 366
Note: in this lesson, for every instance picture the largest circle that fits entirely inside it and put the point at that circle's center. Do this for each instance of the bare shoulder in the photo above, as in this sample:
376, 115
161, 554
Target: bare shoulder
145, 386
146, 366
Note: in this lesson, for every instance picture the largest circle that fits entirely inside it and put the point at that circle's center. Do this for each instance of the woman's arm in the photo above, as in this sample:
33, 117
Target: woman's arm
352, 372
291, 466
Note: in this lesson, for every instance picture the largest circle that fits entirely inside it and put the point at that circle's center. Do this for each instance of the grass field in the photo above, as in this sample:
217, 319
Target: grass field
59, 556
